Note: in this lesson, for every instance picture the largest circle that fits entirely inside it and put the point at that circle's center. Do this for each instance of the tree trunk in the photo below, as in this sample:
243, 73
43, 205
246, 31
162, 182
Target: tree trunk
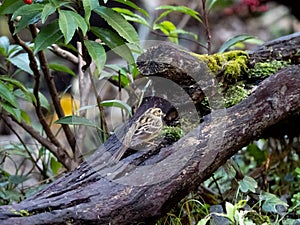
144, 186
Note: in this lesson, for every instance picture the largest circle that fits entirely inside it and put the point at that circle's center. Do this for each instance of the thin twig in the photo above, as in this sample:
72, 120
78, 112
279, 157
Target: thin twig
54, 93
34, 67
8, 124
103, 124
206, 25
64, 54
58, 152
84, 85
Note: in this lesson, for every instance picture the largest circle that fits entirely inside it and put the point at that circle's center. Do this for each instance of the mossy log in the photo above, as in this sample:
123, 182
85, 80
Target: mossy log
144, 186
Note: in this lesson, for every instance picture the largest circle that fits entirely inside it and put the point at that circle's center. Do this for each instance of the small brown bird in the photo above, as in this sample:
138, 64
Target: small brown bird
147, 127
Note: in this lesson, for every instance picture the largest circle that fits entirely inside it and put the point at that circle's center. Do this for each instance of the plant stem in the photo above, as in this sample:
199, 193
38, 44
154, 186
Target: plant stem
34, 67
206, 25
53, 92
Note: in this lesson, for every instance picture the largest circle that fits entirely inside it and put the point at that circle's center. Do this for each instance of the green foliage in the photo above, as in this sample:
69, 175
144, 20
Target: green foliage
233, 63
24, 58
264, 69
174, 133
245, 199
235, 93
237, 40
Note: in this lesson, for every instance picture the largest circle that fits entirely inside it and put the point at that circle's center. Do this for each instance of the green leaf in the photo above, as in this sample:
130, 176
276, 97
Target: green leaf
270, 202
55, 165
180, 31
236, 39
31, 98
25, 117
30, 14
117, 103
44, 101
10, 6
181, 9
17, 179
168, 28
15, 112
109, 37
21, 88
88, 6
77, 120
134, 6
204, 220
22, 62
114, 42
47, 11
211, 3
79, 21
48, 35
248, 184
6, 95
61, 68
4, 44
97, 53
230, 211
67, 25
13, 50
259, 156
118, 23
130, 16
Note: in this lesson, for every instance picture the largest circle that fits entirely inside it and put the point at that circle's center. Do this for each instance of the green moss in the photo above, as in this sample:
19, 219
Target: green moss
22, 213
235, 94
175, 133
258, 218
232, 63
264, 69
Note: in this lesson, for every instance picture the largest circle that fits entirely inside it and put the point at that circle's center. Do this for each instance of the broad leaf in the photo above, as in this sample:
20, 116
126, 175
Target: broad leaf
47, 11
271, 201
181, 9
25, 117
6, 95
67, 25
248, 184
30, 14
168, 28
61, 68
117, 103
28, 95
231, 42
55, 165
118, 23
79, 21
76, 120
10, 6
97, 53
22, 62
4, 44
114, 42
15, 112
88, 6
132, 17
133, 6
48, 35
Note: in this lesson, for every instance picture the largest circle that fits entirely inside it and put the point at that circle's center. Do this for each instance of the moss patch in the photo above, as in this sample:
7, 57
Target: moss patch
264, 69
232, 64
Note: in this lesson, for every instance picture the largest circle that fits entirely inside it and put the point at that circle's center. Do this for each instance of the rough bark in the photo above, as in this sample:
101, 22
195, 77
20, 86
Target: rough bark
144, 186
